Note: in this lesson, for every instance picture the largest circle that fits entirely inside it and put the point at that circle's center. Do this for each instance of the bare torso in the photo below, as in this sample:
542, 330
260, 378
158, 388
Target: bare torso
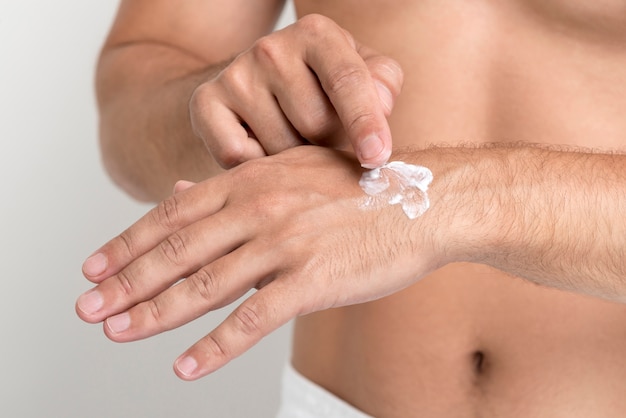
470, 341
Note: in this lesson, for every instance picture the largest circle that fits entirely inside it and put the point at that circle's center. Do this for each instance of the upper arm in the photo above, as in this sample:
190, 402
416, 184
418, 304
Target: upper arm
208, 30
156, 54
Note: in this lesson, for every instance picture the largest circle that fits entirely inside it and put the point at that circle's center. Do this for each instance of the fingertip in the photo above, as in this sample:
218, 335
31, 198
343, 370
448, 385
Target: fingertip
182, 185
90, 306
117, 325
95, 265
186, 368
373, 152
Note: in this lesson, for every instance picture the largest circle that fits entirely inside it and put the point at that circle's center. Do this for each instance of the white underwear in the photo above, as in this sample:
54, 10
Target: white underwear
301, 398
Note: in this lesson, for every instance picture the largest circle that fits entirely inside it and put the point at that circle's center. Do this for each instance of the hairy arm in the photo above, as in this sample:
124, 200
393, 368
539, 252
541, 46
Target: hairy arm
551, 216
187, 90
308, 243
156, 54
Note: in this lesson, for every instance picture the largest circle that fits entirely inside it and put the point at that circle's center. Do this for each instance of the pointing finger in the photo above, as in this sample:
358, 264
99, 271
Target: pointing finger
351, 89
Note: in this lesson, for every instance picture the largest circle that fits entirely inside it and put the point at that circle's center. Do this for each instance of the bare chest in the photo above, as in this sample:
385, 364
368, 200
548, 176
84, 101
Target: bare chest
486, 71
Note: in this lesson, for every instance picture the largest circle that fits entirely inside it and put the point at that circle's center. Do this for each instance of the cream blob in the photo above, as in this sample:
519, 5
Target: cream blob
398, 183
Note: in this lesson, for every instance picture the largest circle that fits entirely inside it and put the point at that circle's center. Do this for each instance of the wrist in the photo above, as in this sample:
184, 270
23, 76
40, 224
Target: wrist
464, 222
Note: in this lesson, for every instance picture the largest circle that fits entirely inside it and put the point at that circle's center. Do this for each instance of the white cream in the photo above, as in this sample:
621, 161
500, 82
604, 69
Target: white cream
398, 183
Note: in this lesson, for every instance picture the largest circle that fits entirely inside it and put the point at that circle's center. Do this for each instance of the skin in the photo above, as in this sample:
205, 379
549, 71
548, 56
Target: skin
506, 298
273, 74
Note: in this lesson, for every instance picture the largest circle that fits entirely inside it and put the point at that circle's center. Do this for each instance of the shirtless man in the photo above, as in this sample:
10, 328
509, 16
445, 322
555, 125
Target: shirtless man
505, 299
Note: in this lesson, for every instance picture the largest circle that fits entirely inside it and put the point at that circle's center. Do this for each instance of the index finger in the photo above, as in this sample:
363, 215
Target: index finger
168, 216
347, 81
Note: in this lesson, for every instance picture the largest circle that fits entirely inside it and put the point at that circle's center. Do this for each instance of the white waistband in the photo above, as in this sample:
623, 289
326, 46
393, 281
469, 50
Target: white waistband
301, 398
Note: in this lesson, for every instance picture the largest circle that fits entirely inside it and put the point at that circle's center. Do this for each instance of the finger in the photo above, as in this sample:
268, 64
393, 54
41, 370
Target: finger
348, 83
307, 107
387, 74
168, 216
182, 185
263, 312
180, 254
212, 287
295, 87
222, 132
270, 126
240, 95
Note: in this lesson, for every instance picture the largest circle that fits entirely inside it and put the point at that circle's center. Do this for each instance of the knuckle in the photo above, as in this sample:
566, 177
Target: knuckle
128, 242
204, 283
154, 310
217, 346
316, 123
200, 98
202, 109
229, 154
125, 282
235, 78
346, 77
248, 320
315, 24
268, 50
359, 119
167, 213
174, 248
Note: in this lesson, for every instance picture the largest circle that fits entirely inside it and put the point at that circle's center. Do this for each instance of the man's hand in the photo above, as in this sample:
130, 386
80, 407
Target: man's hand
290, 225
310, 82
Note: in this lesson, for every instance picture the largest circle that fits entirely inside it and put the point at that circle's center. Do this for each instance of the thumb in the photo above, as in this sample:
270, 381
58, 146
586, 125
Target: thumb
388, 78
182, 185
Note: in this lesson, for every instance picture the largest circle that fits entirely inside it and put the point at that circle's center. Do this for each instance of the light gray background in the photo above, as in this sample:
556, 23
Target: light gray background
56, 207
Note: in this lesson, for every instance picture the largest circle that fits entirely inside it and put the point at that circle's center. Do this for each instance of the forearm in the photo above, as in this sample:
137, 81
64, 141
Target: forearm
145, 132
552, 217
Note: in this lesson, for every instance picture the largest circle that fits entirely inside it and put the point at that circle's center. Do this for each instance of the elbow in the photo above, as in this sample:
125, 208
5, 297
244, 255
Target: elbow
114, 153
121, 169
118, 152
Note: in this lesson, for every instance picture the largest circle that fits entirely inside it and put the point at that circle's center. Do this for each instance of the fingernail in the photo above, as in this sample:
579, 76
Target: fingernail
90, 302
371, 148
119, 323
384, 94
187, 365
95, 265
182, 185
